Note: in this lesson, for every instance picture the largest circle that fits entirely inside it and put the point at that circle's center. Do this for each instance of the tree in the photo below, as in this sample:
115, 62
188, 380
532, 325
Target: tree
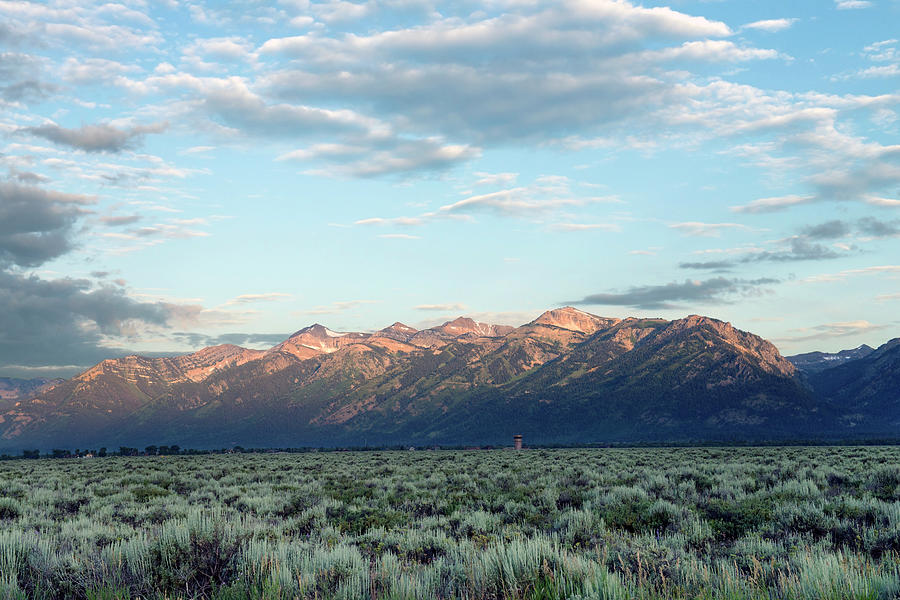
102, 451
151, 450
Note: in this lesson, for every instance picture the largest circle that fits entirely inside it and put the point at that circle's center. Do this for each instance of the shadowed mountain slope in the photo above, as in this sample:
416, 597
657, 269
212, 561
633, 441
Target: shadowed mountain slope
568, 376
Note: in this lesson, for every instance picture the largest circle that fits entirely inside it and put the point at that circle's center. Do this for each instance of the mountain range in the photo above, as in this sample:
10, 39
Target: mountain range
566, 377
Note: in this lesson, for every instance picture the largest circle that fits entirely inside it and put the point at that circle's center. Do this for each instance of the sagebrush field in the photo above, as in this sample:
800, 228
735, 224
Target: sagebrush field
607, 523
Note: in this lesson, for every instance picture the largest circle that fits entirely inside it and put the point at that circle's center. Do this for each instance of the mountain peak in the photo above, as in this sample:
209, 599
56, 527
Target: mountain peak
320, 331
465, 325
397, 331
573, 319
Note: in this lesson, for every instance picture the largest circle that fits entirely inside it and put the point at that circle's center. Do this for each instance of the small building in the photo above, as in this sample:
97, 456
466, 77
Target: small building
517, 441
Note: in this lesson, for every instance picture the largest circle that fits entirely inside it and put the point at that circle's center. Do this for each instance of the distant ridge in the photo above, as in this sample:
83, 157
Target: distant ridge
813, 362
566, 377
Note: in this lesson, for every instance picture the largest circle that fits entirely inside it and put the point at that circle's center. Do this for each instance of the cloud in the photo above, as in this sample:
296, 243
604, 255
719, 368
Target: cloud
868, 227
842, 275
798, 249
764, 205
200, 340
233, 101
718, 290
833, 330
253, 298
27, 177
547, 194
793, 249
712, 265
94, 71
120, 220
451, 307
399, 236
871, 226
173, 229
534, 72
96, 138
585, 227
512, 202
36, 224
400, 221
544, 195
697, 229
828, 230
376, 157
851, 4
771, 25
223, 49
335, 307
20, 75
503, 179
67, 321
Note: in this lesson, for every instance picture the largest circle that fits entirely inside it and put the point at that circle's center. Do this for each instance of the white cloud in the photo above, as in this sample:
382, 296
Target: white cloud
771, 25
697, 229
832, 330
775, 203
495, 178
454, 306
399, 236
368, 157
851, 4
585, 227
254, 298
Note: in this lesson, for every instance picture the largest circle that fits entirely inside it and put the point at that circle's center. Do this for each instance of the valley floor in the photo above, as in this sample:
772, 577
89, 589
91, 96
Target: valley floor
805, 523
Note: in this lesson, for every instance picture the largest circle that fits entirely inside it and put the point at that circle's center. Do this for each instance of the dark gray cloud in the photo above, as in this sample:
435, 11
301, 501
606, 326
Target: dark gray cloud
566, 68
61, 321
827, 231
234, 104
27, 177
799, 248
120, 220
36, 224
712, 265
29, 90
198, 340
718, 290
96, 138
65, 321
873, 227
18, 76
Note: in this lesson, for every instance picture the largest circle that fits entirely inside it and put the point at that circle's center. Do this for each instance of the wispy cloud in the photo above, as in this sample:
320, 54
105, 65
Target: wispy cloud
832, 330
255, 298
842, 275
771, 25
335, 307
96, 138
447, 307
697, 229
775, 203
718, 290
851, 4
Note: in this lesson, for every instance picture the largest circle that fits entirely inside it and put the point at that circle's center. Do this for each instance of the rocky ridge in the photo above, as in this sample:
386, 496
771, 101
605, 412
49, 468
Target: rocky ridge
566, 376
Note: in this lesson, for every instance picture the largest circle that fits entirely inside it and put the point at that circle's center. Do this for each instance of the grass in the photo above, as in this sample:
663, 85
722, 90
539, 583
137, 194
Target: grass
686, 523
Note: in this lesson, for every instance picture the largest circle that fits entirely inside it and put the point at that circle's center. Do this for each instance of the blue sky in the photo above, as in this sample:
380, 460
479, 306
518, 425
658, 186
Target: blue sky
178, 174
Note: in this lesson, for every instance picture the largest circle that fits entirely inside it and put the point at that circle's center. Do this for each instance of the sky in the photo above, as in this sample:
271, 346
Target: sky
181, 174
